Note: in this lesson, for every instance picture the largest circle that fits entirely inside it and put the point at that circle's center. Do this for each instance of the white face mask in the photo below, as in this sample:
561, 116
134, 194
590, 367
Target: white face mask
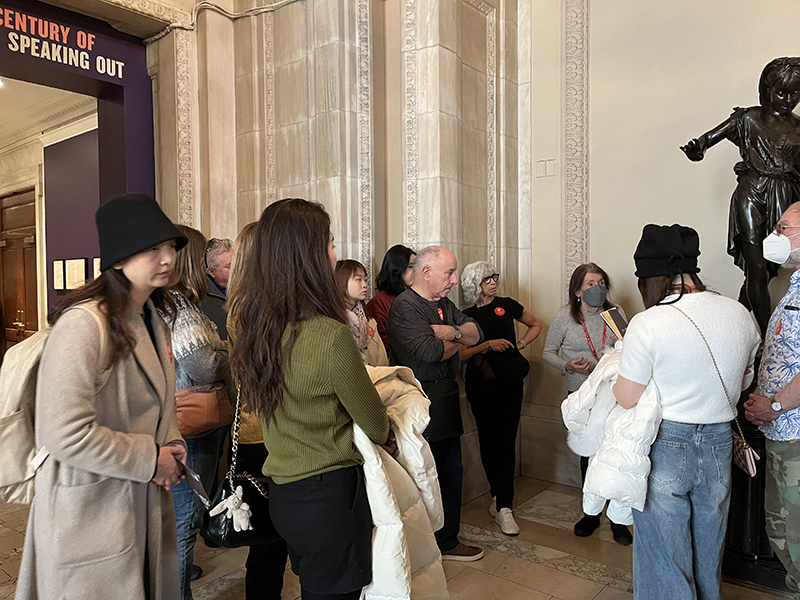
777, 247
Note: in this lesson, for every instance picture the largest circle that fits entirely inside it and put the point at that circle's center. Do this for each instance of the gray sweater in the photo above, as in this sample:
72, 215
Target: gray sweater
199, 356
567, 340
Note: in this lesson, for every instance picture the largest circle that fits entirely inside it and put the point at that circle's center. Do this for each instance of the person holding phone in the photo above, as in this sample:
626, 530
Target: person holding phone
575, 342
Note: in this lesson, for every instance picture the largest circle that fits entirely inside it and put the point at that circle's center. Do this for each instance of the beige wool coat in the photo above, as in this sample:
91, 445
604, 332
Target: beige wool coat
98, 528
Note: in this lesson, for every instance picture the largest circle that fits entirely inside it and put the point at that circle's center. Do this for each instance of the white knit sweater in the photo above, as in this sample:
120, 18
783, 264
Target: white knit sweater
662, 343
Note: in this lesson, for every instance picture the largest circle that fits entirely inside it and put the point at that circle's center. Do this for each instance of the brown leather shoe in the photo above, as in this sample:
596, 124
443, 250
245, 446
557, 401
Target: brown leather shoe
463, 553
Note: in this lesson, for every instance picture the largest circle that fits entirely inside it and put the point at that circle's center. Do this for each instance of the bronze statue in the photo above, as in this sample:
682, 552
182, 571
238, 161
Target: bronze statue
768, 138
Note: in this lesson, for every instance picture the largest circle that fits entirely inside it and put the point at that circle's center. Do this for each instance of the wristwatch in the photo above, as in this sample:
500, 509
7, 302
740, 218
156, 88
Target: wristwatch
457, 334
776, 406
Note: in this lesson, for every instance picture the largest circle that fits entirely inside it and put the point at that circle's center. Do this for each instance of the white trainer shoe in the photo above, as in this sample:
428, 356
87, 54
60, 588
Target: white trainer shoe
493, 507
505, 519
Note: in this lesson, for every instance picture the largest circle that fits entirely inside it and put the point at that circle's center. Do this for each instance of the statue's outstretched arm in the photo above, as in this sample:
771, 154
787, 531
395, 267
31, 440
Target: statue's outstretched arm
696, 148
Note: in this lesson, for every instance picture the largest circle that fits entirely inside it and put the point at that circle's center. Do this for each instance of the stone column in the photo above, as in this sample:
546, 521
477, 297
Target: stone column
216, 125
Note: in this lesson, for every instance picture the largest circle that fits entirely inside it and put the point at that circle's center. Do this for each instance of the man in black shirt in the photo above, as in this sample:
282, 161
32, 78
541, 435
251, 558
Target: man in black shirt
426, 332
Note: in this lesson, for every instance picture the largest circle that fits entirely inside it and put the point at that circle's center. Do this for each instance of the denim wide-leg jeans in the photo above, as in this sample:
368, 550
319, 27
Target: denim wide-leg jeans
678, 537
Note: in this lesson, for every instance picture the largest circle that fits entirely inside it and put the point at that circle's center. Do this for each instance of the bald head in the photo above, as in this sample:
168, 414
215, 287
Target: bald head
435, 272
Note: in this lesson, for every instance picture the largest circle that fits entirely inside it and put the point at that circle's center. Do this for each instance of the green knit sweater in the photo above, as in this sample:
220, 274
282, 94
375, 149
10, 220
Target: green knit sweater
327, 388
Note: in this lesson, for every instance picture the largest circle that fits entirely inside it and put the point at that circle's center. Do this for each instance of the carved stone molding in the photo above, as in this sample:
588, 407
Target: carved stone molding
576, 135
364, 83
410, 124
269, 100
184, 121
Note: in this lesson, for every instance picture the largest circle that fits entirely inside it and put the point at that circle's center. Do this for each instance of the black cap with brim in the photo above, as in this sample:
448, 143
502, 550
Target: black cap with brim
130, 224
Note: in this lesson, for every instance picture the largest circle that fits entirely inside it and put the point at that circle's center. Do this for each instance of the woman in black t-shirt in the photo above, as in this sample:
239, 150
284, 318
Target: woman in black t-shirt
494, 382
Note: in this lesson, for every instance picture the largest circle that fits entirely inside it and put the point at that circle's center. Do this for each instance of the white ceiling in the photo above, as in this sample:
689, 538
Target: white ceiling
27, 109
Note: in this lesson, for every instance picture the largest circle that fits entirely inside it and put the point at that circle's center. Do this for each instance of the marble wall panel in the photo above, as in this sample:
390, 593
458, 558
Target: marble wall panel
438, 23
245, 34
451, 230
449, 127
472, 29
291, 29
510, 58
429, 145
509, 210
429, 190
473, 98
330, 141
291, 147
473, 157
297, 191
291, 98
428, 79
247, 103
449, 82
249, 175
545, 454
328, 22
473, 215
509, 93
328, 86
509, 181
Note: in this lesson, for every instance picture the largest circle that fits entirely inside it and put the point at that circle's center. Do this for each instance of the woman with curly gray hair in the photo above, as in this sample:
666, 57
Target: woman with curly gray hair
494, 380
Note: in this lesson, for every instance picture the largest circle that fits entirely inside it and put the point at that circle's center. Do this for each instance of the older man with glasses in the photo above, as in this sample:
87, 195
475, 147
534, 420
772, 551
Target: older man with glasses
775, 406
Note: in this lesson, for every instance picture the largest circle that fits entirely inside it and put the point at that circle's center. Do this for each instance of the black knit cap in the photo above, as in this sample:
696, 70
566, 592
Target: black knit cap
666, 251
130, 224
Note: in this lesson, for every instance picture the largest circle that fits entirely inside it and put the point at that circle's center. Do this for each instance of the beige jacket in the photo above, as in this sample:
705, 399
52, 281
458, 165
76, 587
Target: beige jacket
98, 528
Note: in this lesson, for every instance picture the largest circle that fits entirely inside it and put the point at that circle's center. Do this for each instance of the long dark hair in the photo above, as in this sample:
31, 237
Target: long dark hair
395, 262
575, 283
287, 279
112, 291
655, 289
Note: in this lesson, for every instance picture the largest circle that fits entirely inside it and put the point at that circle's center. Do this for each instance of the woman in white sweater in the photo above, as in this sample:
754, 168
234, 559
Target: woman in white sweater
698, 348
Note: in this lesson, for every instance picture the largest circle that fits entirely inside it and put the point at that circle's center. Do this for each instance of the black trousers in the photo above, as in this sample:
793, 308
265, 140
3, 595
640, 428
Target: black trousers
447, 456
496, 409
326, 522
266, 563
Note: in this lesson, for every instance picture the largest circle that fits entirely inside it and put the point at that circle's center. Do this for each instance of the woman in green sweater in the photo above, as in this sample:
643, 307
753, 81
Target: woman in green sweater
297, 364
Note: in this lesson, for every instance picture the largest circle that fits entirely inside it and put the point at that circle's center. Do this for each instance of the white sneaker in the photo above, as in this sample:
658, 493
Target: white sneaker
493, 507
506, 521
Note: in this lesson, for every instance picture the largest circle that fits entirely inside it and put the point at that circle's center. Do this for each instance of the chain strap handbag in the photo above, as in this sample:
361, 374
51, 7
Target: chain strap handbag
221, 530
743, 455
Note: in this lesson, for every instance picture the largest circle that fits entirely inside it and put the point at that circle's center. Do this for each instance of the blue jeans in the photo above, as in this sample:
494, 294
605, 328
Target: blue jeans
678, 541
202, 458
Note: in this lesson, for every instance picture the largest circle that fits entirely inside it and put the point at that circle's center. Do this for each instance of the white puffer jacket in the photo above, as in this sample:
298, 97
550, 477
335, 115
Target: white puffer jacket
617, 440
404, 496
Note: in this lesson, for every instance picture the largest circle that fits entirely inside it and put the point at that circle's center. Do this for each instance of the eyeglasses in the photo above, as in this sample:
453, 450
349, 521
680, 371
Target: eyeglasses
489, 278
780, 228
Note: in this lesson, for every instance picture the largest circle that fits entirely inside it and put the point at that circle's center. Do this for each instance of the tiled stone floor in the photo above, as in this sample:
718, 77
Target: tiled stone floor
545, 562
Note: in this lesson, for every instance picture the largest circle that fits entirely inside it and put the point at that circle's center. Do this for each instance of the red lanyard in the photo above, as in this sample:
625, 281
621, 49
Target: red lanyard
589, 339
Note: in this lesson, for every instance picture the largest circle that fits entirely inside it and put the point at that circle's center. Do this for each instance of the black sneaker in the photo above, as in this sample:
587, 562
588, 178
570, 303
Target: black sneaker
587, 525
197, 572
622, 535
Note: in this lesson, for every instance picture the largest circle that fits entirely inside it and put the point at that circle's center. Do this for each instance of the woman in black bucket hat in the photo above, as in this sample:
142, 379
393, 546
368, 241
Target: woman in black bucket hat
105, 422
698, 348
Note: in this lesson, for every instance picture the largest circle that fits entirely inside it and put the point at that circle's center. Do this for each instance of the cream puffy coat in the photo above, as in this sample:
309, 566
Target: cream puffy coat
96, 519
617, 440
404, 496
